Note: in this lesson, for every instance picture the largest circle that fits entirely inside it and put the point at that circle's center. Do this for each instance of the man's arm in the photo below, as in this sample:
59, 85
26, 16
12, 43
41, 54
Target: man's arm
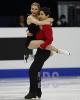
48, 36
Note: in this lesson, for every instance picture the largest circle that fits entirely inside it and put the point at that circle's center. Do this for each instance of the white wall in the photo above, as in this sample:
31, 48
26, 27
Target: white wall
65, 38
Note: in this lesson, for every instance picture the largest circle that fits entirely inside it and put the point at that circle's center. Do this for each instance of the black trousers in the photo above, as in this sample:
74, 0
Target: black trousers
34, 72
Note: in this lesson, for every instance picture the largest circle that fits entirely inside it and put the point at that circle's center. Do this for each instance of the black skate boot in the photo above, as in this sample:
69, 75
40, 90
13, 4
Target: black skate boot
39, 93
27, 54
30, 95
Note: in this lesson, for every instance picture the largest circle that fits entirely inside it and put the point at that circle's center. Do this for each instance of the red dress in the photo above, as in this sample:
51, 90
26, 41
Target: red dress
45, 34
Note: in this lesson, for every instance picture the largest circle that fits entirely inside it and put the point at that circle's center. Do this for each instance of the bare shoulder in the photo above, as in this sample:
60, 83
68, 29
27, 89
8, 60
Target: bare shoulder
29, 19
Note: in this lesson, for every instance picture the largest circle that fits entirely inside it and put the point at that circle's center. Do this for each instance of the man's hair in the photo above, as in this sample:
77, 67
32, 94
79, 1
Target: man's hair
46, 10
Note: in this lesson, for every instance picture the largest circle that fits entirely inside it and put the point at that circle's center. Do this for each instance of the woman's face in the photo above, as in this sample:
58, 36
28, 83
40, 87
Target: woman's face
42, 16
34, 10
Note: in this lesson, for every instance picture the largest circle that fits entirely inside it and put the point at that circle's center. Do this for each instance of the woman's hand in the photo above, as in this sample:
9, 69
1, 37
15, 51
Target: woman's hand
50, 20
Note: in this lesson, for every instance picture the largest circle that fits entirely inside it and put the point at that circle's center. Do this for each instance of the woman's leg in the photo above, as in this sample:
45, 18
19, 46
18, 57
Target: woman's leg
52, 48
36, 44
57, 50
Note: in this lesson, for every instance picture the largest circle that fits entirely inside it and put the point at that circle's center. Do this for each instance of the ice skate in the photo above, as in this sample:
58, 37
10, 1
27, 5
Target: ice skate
62, 51
38, 93
30, 58
30, 95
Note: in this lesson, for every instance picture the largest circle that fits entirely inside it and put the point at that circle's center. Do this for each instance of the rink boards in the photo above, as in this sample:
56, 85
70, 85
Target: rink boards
12, 62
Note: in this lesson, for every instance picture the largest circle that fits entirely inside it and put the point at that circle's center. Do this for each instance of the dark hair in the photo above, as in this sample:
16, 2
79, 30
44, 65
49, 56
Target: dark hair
46, 10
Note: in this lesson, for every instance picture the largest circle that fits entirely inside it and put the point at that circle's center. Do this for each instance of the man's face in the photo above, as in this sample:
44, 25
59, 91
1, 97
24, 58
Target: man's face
43, 16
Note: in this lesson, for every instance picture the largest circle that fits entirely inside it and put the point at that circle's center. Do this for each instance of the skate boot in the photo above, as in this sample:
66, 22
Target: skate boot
62, 51
30, 95
27, 54
38, 93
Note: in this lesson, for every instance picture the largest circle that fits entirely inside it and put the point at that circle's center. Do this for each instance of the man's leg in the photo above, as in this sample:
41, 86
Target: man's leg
40, 57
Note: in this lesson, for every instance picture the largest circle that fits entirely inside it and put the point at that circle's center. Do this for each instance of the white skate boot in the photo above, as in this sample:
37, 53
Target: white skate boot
62, 51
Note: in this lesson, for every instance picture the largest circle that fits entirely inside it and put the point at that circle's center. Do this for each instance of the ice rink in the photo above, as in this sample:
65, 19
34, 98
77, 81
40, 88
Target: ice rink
62, 88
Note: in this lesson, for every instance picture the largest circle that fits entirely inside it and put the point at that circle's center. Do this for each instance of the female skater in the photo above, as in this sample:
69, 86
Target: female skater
33, 22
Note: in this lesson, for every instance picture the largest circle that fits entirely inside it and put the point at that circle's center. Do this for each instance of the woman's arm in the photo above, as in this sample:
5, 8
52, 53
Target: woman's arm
31, 19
